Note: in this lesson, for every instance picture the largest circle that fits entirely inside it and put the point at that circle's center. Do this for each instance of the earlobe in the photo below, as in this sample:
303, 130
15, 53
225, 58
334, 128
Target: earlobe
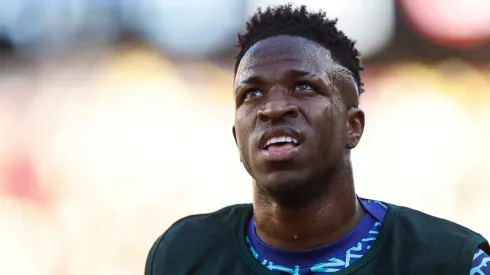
355, 126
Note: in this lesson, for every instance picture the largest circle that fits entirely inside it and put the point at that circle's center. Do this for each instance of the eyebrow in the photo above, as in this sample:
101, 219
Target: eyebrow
257, 80
297, 73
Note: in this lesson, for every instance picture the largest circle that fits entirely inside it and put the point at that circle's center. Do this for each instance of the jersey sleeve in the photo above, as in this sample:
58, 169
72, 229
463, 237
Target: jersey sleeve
480, 264
151, 257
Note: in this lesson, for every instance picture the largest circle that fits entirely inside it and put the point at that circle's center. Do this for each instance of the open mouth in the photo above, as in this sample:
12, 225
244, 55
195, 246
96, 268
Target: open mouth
280, 143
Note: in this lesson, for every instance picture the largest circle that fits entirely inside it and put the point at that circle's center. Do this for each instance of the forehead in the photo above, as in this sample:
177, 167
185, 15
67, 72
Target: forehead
273, 54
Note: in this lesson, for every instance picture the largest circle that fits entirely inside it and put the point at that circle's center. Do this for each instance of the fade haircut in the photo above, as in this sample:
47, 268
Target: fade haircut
286, 20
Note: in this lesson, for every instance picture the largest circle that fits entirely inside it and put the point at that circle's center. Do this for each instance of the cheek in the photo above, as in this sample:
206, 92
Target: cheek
321, 116
328, 119
244, 126
337, 114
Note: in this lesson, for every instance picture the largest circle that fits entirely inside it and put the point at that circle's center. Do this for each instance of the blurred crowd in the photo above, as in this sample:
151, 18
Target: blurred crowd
101, 152
115, 122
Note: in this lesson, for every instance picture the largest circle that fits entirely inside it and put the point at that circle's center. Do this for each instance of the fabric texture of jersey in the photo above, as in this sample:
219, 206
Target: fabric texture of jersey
409, 242
326, 259
338, 255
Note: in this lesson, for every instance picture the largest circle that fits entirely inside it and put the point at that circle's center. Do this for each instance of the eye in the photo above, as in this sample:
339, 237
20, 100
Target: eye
252, 93
303, 87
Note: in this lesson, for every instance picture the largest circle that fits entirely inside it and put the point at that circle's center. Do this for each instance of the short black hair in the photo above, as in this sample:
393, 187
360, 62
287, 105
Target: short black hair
286, 20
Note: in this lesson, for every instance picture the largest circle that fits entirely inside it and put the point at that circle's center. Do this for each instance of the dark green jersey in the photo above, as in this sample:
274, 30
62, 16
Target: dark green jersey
410, 242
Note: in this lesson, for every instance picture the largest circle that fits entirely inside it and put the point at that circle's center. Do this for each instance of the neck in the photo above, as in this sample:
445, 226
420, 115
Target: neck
324, 220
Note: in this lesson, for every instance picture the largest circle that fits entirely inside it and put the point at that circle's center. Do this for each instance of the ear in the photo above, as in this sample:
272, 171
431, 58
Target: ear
355, 127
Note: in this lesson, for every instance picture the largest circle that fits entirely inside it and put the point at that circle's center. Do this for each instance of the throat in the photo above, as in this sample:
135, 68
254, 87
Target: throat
308, 228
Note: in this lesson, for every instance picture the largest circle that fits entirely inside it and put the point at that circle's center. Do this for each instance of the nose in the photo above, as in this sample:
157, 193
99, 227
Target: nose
276, 110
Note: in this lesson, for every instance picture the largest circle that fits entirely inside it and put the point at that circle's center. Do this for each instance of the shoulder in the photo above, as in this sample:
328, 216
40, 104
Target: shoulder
441, 240
420, 243
206, 225
195, 235
420, 222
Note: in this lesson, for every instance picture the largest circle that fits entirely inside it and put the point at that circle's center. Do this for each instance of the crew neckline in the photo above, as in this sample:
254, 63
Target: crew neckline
247, 256
374, 215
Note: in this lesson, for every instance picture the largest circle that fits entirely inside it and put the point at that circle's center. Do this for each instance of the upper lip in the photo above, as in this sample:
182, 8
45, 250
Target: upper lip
279, 132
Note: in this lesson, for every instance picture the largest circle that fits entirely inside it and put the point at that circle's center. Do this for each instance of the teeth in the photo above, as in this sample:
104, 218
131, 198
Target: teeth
281, 139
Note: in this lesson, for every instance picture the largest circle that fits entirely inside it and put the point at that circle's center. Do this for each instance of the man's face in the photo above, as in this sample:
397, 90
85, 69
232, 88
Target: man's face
295, 116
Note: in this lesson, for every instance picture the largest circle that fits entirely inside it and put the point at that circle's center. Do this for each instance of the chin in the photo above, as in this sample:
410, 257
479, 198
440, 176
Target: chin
284, 180
285, 186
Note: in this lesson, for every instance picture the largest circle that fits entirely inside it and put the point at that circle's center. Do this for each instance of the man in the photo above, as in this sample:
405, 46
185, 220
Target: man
297, 86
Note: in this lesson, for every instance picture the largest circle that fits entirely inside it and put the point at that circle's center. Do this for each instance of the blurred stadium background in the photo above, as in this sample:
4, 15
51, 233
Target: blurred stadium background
116, 115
